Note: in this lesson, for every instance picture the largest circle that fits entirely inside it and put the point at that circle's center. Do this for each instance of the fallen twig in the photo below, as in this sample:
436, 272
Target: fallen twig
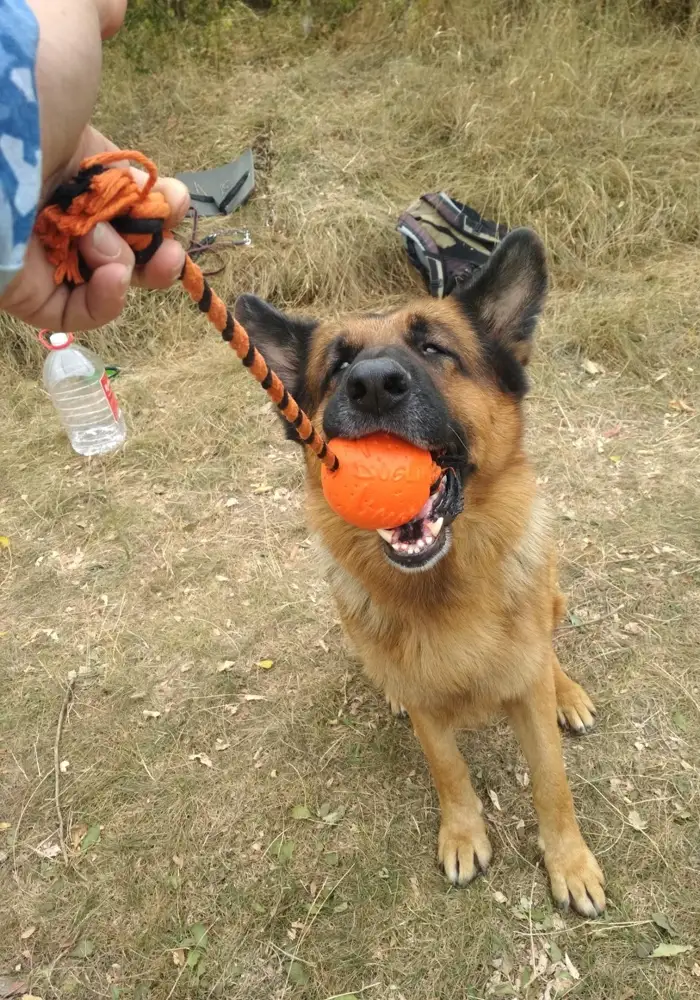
361, 989
57, 764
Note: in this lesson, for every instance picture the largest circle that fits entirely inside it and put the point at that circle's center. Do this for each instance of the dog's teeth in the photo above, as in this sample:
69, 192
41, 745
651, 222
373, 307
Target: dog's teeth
435, 527
420, 544
385, 534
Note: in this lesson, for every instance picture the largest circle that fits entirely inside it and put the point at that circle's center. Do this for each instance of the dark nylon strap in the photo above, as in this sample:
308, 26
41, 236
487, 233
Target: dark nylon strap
427, 262
437, 285
440, 266
419, 234
420, 249
472, 241
466, 219
460, 255
479, 251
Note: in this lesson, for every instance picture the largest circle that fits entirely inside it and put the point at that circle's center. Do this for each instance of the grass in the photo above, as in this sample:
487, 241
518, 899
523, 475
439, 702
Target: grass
141, 574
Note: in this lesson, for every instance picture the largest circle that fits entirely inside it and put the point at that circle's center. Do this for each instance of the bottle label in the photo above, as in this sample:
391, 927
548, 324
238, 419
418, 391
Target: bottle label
109, 395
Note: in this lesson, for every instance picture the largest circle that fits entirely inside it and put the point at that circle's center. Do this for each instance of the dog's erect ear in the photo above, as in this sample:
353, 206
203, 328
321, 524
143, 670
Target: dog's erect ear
506, 296
284, 343
282, 340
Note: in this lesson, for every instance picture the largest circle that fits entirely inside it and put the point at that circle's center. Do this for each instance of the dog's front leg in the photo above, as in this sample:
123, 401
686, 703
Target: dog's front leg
463, 845
574, 873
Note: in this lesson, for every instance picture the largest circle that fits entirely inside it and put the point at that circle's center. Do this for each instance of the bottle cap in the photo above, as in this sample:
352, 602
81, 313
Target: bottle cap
55, 341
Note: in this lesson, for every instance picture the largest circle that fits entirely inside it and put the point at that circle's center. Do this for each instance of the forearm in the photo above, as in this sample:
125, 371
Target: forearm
20, 150
62, 72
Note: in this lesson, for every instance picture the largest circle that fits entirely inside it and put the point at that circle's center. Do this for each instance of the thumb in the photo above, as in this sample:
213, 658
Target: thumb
35, 298
103, 245
111, 262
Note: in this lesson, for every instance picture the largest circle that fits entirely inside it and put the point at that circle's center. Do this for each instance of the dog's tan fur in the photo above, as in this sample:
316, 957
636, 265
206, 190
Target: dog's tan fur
472, 637
469, 634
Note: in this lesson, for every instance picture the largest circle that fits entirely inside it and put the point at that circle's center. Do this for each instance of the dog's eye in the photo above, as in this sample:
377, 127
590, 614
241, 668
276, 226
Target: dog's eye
337, 369
429, 348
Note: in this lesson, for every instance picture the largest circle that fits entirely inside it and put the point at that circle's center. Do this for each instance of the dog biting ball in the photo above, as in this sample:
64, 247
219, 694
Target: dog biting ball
382, 481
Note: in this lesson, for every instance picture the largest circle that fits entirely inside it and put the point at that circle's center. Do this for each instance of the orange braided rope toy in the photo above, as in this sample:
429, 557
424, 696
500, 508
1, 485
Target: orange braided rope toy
104, 193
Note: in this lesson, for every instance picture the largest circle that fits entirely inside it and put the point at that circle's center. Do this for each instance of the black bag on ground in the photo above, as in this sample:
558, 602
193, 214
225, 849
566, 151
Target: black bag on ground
447, 241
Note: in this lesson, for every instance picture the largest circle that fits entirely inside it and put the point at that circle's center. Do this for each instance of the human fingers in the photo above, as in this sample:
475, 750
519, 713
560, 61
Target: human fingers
35, 297
98, 301
163, 269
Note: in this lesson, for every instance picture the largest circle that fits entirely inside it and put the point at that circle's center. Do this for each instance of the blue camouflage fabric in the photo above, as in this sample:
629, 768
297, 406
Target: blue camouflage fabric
20, 149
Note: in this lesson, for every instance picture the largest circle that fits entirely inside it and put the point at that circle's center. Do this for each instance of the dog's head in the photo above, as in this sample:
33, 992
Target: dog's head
446, 375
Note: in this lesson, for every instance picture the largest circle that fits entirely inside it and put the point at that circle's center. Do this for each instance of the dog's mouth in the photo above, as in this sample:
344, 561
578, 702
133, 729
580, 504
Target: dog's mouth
420, 543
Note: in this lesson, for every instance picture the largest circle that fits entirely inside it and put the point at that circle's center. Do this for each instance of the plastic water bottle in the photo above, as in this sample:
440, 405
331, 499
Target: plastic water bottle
79, 386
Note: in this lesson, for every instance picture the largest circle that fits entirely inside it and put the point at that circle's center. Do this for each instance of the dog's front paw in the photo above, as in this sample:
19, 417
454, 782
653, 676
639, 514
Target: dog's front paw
397, 708
576, 878
575, 710
464, 849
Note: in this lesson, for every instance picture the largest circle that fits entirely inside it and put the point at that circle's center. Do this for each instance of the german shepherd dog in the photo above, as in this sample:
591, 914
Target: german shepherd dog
452, 613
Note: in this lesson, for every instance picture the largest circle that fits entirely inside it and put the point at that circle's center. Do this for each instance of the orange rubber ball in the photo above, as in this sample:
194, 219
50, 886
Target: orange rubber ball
381, 482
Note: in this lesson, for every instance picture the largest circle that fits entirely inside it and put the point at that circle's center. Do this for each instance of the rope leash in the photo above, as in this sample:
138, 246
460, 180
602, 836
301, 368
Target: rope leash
101, 192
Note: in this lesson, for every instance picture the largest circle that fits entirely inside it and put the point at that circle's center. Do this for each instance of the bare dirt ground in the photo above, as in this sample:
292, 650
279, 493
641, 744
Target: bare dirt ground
243, 817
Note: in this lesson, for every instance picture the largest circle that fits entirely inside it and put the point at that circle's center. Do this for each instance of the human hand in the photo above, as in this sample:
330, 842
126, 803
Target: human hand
67, 83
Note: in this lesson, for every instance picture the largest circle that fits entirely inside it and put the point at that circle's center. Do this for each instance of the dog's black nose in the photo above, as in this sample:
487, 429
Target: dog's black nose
377, 385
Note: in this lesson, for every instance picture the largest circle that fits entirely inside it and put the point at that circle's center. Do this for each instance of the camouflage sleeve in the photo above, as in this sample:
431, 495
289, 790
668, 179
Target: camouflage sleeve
20, 148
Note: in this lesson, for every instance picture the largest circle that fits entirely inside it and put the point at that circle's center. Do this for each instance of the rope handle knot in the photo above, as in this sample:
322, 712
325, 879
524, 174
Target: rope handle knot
104, 190
102, 193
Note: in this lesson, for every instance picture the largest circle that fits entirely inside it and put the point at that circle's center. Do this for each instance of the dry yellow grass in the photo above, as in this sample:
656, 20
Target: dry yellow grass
139, 574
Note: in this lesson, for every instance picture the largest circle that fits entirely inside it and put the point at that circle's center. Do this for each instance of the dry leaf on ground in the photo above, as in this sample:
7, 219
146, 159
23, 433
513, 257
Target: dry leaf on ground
11, 987
668, 950
77, 833
202, 758
49, 851
636, 821
573, 971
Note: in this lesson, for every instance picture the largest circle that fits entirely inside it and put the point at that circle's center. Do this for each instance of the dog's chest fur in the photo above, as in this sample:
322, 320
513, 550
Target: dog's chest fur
469, 650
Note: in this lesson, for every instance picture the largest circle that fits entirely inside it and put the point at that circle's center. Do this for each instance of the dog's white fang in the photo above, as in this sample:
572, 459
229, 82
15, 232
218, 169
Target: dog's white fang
435, 527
